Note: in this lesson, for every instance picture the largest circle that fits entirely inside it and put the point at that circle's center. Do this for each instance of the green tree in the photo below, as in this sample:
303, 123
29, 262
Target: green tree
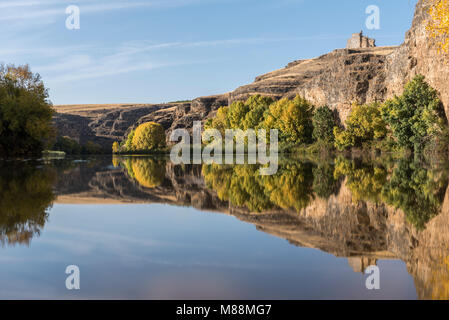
258, 106
220, 121
128, 146
68, 145
364, 124
323, 124
25, 112
236, 114
415, 116
149, 136
92, 148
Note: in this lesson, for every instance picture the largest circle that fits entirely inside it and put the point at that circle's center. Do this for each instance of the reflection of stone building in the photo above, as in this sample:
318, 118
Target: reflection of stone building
358, 40
360, 264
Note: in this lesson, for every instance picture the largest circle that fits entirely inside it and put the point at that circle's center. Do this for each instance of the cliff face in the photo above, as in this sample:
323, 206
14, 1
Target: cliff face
109, 123
336, 79
418, 55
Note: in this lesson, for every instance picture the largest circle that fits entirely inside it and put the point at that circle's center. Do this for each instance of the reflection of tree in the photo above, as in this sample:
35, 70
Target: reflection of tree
148, 172
419, 192
240, 185
291, 187
364, 179
243, 186
439, 279
324, 182
25, 195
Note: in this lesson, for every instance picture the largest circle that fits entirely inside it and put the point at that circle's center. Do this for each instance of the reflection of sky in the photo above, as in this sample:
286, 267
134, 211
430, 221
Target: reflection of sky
161, 252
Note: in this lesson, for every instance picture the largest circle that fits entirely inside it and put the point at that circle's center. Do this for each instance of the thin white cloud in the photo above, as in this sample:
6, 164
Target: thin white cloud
70, 64
29, 10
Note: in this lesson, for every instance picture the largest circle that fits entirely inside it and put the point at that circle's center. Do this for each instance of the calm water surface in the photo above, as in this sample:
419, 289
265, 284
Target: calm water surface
143, 228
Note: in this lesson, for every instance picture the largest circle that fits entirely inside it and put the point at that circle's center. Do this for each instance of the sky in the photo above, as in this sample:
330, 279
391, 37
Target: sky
145, 51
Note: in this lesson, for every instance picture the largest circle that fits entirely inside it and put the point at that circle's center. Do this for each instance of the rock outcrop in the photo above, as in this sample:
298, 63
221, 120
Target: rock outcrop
418, 55
337, 79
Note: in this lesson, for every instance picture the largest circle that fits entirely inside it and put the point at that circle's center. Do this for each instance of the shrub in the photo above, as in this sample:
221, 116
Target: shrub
149, 136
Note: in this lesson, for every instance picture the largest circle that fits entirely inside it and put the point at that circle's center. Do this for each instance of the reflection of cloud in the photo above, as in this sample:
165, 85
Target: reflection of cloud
181, 284
131, 248
112, 238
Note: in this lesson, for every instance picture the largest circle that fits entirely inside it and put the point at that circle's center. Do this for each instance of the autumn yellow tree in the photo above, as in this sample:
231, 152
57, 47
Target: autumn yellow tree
438, 26
115, 147
149, 136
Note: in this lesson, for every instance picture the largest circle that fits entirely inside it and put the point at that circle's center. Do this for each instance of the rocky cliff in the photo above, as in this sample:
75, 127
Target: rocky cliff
418, 55
336, 79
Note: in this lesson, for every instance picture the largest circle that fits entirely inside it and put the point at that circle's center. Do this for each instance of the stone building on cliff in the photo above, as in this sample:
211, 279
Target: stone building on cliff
358, 40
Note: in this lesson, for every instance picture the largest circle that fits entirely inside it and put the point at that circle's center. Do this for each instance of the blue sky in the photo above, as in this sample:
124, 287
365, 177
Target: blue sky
145, 51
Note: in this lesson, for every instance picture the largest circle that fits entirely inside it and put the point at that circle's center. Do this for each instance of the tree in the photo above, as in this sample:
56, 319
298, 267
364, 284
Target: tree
438, 25
220, 121
292, 118
364, 124
415, 116
149, 136
25, 112
323, 124
92, 148
129, 141
68, 145
236, 114
115, 147
258, 105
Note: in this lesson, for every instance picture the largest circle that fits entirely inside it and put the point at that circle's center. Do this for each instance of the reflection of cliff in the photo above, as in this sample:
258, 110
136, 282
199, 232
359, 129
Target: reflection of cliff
357, 210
